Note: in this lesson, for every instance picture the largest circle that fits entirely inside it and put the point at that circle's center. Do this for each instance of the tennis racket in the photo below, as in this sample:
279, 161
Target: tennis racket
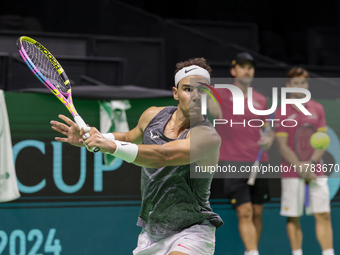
253, 174
48, 70
303, 149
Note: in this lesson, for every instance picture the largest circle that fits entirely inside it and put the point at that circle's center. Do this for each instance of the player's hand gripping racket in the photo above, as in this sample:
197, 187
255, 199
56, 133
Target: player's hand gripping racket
253, 174
48, 70
304, 150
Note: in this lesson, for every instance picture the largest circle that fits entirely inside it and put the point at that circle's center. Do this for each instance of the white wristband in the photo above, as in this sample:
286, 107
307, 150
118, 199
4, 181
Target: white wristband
109, 136
126, 151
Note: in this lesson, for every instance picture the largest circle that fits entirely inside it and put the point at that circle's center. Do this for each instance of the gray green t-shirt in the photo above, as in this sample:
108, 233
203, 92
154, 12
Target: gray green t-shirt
171, 200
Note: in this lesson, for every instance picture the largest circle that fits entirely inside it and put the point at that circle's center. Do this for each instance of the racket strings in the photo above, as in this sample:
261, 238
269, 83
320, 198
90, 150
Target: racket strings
44, 65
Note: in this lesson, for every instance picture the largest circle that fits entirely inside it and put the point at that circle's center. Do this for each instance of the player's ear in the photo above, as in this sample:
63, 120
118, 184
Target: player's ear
175, 92
233, 72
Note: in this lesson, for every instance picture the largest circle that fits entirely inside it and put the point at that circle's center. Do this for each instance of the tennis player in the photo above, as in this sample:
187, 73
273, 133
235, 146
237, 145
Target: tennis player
293, 186
176, 217
240, 147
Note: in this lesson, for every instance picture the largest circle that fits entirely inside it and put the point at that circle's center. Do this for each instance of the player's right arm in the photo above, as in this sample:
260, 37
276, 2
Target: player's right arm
290, 156
135, 135
200, 146
287, 153
72, 133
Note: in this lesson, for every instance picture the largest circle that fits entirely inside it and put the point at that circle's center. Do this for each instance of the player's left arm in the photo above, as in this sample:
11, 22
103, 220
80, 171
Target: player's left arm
266, 141
201, 146
322, 127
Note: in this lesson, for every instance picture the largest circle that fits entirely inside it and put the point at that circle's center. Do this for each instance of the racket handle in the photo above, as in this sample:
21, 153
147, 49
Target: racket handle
86, 130
81, 124
253, 174
251, 179
306, 195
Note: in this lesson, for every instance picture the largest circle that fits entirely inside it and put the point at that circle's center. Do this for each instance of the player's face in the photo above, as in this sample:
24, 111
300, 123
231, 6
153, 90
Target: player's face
188, 93
298, 82
243, 72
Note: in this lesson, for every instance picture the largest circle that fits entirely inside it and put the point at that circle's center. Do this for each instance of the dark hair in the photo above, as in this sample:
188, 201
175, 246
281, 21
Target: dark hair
297, 72
201, 62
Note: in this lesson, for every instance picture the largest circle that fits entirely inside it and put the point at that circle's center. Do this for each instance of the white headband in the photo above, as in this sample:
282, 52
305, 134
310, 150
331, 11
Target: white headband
191, 70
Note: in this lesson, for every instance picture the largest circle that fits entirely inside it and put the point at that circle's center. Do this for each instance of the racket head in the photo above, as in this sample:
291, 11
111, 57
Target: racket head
303, 148
47, 69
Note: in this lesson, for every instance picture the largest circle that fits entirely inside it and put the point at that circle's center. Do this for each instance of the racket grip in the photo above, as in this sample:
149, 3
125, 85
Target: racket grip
253, 174
81, 124
86, 130
251, 180
306, 195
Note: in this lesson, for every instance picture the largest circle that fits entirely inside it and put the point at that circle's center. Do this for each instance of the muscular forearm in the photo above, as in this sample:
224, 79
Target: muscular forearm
317, 155
153, 156
133, 136
289, 155
266, 141
172, 153
147, 155
120, 136
157, 156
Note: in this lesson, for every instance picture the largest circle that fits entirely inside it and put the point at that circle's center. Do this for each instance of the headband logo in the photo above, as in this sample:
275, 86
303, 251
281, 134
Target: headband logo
187, 71
191, 71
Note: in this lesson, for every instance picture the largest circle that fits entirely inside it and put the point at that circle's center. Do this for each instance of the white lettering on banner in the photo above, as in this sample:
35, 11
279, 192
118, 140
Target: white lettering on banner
17, 242
57, 169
